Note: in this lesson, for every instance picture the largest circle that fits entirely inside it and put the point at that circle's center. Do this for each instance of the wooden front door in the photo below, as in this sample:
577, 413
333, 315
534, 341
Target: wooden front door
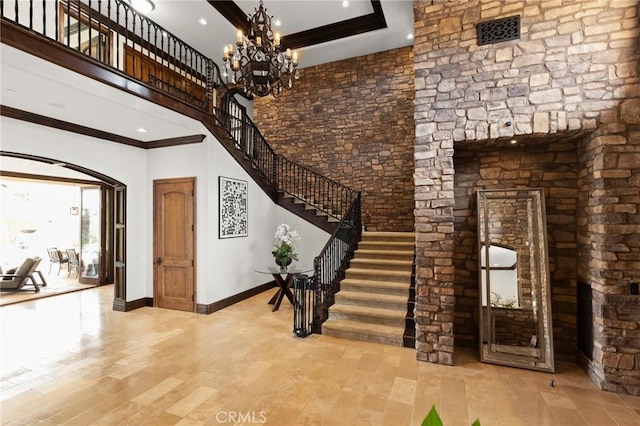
173, 244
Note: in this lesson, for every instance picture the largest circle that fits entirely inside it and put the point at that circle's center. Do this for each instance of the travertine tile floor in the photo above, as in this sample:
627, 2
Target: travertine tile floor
71, 359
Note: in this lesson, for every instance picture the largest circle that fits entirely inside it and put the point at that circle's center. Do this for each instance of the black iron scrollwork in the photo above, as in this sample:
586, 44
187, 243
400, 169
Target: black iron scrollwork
499, 30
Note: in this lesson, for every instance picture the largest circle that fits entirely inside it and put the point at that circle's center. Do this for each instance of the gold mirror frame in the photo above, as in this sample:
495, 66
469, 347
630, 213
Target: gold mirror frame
514, 297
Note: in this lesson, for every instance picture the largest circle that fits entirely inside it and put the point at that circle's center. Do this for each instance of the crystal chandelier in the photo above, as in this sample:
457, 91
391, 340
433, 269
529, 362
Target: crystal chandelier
258, 63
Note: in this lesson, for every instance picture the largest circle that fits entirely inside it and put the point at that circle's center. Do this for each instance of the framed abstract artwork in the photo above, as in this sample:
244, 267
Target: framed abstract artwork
234, 217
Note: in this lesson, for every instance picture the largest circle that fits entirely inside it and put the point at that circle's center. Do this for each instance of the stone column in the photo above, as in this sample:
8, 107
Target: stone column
434, 312
610, 249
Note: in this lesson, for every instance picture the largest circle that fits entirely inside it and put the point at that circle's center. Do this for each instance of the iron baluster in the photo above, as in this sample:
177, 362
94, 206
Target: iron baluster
173, 55
118, 37
148, 50
179, 58
209, 90
101, 53
68, 24
276, 172
155, 51
162, 48
90, 28
109, 28
79, 19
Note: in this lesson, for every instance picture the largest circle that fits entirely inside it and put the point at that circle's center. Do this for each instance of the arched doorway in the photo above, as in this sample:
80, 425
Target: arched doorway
109, 230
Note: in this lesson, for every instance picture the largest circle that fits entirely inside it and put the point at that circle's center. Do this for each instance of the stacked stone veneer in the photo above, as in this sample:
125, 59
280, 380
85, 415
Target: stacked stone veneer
352, 121
572, 76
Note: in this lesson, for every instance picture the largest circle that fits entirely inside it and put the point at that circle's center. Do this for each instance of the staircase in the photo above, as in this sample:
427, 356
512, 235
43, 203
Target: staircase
375, 301
322, 218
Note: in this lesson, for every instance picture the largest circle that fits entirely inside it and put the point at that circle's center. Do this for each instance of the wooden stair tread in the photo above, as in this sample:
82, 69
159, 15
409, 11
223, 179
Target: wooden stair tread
390, 252
379, 272
362, 285
374, 297
383, 262
383, 234
392, 245
363, 328
365, 310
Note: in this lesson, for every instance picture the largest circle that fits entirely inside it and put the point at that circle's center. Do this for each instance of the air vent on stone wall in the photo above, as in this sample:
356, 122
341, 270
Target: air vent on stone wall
498, 30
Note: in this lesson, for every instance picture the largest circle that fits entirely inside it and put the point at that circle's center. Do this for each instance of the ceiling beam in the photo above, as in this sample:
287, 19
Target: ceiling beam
350, 27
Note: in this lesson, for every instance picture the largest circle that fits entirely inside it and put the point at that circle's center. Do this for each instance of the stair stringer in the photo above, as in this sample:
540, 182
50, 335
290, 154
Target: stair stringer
311, 215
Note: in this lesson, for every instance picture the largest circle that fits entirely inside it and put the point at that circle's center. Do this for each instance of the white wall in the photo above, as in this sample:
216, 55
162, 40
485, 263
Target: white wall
225, 267
121, 162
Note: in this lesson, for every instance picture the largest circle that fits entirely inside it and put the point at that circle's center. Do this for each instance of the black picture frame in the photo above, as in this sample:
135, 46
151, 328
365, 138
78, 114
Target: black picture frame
233, 204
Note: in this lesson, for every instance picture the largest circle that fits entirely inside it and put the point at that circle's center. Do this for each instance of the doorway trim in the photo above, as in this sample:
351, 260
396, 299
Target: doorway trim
115, 216
189, 234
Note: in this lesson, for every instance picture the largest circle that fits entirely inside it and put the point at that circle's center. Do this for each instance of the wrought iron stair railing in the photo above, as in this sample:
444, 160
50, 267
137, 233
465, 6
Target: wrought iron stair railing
112, 34
315, 294
330, 265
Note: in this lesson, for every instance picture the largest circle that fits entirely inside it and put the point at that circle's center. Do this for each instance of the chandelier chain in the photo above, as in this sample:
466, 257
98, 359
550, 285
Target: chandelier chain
259, 63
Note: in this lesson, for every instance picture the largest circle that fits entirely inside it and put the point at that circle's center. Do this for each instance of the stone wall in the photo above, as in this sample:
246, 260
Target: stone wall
573, 72
551, 164
352, 121
609, 236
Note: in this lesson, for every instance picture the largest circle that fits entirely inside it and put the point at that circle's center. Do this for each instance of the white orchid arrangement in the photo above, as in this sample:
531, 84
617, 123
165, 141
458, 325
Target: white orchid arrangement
284, 243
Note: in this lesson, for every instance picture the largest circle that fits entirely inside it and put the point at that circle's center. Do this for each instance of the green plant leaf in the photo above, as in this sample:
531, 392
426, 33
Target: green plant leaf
476, 423
432, 419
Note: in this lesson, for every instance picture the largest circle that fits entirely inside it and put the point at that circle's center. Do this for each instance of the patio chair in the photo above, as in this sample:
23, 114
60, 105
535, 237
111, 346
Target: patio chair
56, 257
22, 275
74, 262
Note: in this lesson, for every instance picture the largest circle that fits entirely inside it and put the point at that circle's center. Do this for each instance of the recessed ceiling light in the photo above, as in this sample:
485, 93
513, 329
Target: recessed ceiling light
202, 21
410, 36
345, 3
142, 6
277, 23
141, 130
513, 141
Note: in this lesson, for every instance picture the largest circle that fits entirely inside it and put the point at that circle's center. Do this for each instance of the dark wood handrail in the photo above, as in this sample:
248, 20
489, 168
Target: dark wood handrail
159, 60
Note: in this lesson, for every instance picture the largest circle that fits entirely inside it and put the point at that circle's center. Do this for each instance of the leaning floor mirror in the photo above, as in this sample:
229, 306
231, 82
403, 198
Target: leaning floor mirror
515, 300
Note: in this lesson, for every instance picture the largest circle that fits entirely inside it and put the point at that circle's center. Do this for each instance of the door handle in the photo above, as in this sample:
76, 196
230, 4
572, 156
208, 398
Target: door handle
159, 261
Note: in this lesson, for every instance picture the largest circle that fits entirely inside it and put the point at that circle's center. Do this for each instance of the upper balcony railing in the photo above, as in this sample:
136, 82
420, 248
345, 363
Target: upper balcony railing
116, 35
